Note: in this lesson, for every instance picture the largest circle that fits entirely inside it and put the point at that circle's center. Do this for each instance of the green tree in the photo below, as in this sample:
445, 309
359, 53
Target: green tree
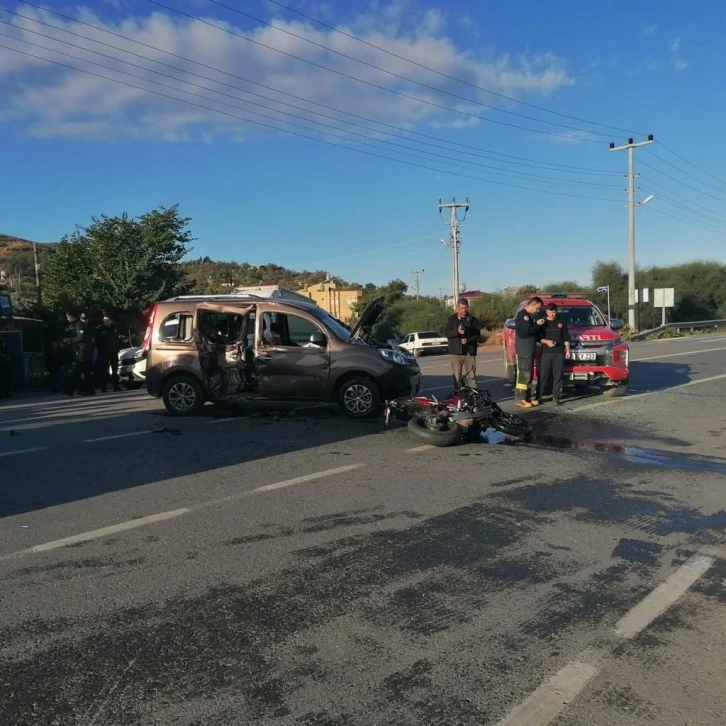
119, 262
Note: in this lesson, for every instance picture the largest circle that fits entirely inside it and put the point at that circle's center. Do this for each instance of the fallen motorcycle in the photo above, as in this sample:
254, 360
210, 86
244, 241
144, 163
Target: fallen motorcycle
462, 415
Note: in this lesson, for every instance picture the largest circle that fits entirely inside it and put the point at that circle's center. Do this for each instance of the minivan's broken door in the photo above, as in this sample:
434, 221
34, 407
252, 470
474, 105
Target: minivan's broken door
226, 360
293, 357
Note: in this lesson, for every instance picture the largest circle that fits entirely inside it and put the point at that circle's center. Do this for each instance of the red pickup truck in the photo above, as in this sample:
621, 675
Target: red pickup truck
599, 354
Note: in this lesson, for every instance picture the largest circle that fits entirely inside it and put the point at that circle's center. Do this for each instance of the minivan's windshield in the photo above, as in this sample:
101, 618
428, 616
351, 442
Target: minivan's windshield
339, 330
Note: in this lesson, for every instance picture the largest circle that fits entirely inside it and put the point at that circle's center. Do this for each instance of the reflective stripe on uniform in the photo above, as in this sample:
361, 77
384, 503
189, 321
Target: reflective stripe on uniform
519, 385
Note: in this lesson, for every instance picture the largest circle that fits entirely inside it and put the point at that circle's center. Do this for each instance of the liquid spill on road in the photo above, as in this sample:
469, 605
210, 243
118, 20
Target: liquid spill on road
656, 458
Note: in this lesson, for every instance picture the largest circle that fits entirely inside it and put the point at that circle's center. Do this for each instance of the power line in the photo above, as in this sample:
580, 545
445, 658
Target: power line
655, 184
687, 221
407, 149
690, 176
392, 73
682, 183
310, 138
518, 160
682, 158
433, 70
367, 83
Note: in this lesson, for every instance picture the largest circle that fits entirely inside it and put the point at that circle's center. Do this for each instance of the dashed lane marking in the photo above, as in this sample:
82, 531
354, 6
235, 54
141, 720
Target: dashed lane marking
115, 436
416, 449
546, 703
667, 593
172, 514
680, 355
23, 451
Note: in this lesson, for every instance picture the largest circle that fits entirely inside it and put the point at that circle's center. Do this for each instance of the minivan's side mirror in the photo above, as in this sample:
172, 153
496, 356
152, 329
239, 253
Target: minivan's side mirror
318, 339
617, 324
511, 324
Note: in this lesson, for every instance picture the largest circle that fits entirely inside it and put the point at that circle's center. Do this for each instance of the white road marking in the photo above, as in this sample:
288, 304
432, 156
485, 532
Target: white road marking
658, 601
545, 704
23, 451
681, 354
98, 533
307, 477
224, 419
172, 514
115, 436
416, 449
625, 399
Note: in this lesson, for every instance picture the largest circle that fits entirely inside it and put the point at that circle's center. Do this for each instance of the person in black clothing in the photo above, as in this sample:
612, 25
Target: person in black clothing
463, 331
555, 340
80, 339
6, 360
107, 345
527, 332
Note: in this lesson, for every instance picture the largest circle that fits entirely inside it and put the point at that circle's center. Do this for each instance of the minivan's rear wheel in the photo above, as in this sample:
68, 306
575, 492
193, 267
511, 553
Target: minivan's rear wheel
359, 398
183, 396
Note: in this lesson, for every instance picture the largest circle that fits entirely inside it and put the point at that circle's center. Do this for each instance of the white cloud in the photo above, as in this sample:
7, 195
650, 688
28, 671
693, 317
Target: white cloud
649, 30
675, 44
49, 100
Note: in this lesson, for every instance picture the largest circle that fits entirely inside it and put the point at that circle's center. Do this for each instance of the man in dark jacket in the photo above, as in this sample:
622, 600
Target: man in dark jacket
80, 338
6, 360
555, 340
107, 346
527, 332
463, 331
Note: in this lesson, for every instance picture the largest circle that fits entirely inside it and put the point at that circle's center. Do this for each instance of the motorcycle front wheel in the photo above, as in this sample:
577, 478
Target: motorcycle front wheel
446, 434
511, 424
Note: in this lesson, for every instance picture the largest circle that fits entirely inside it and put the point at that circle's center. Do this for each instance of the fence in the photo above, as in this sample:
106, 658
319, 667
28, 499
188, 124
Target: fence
692, 326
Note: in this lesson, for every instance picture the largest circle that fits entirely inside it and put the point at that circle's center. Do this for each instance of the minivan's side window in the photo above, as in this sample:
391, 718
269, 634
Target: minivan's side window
177, 328
287, 330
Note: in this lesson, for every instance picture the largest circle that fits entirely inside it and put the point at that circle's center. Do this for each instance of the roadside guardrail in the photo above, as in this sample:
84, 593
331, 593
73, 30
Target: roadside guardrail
690, 325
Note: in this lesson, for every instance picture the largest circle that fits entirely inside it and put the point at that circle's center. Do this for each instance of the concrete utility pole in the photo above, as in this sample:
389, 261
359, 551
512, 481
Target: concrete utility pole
454, 240
416, 274
630, 147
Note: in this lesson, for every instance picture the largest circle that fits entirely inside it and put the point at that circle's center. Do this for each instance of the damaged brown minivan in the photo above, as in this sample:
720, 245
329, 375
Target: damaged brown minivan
229, 349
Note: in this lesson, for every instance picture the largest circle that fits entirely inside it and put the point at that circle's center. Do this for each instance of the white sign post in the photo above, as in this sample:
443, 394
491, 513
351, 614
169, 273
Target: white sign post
641, 296
664, 297
606, 288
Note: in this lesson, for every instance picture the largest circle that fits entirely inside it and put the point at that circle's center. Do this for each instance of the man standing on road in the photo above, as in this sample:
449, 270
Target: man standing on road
527, 332
81, 340
555, 348
463, 331
107, 345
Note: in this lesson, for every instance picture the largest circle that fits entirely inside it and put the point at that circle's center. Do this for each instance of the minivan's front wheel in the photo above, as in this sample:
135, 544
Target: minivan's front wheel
183, 396
359, 398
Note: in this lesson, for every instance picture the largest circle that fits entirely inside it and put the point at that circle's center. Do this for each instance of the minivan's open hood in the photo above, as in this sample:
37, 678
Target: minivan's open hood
368, 319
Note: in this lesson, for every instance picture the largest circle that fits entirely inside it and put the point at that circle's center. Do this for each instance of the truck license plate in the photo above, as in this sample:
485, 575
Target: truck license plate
585, 356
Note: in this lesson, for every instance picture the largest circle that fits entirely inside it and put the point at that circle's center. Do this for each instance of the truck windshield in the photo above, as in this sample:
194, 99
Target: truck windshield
583, 316
335, 326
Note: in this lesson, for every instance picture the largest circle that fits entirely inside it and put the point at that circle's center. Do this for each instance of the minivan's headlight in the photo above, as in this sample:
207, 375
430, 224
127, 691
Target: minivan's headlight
393, 356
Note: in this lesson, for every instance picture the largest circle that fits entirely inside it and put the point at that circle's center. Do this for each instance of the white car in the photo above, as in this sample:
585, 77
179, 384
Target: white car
427, 342
132, 367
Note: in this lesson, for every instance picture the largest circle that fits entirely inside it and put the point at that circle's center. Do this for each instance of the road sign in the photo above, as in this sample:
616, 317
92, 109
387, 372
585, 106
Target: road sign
664, 297
642, 295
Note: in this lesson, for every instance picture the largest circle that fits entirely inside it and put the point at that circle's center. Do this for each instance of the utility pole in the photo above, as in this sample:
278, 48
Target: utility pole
37, 274
630, 148
416, 274
441, 292
454, 239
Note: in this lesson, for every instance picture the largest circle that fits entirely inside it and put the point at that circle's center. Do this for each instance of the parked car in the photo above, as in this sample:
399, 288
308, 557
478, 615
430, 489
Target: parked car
132, 367
231, 348
421, 343
599, 353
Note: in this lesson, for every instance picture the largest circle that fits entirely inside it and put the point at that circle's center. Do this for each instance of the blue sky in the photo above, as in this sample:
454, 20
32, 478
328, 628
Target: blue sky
75, 145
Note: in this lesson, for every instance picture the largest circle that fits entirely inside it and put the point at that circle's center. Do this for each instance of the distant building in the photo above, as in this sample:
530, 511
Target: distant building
339, 303
469, 295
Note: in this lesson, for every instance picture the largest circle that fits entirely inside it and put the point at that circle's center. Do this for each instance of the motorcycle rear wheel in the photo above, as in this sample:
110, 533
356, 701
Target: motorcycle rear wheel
511, 424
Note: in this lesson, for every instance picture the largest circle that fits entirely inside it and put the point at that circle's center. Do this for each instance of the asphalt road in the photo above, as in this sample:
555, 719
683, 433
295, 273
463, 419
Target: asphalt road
293, 567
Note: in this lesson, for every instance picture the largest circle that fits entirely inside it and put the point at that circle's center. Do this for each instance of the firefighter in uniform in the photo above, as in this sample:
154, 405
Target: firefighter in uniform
527, 333
555, 340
